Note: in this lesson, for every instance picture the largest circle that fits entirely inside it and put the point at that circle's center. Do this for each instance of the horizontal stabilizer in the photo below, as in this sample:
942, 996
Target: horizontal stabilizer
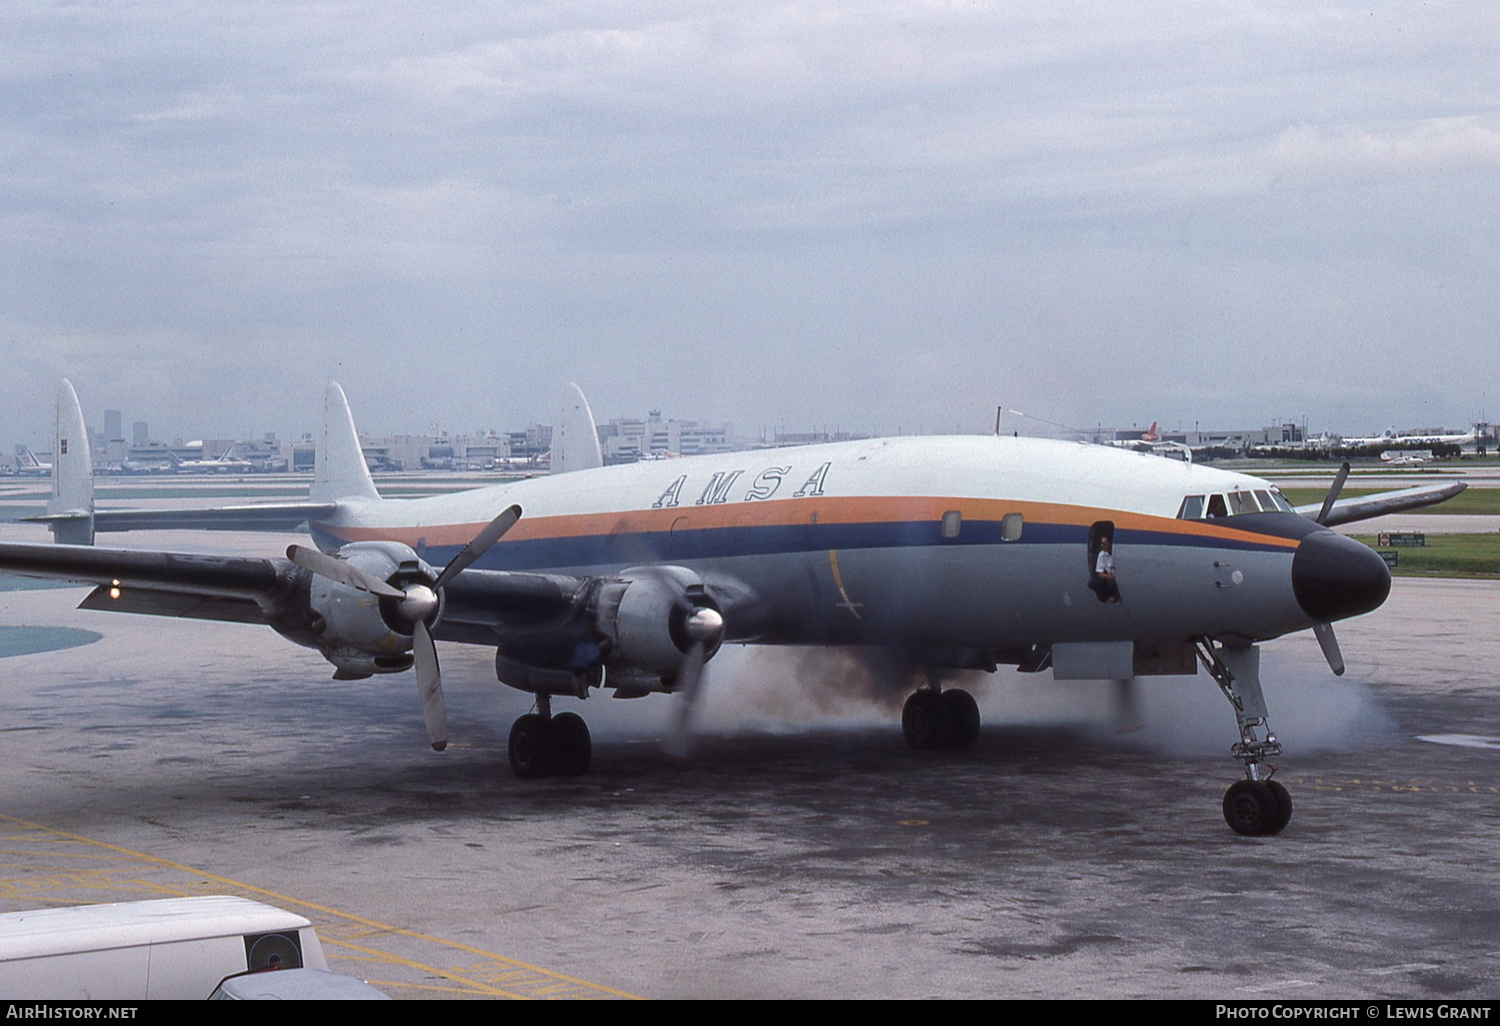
1363, 507
270, 516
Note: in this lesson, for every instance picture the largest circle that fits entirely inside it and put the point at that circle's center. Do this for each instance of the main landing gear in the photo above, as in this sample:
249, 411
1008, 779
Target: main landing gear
1257, 805
933, 718
543, 745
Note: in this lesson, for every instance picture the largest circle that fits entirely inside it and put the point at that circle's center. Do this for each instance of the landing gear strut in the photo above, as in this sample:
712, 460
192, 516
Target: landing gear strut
542, 744
1257, 805
933, 718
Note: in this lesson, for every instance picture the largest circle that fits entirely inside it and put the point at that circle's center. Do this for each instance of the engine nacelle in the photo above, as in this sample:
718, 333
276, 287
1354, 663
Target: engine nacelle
358, 632
643, 614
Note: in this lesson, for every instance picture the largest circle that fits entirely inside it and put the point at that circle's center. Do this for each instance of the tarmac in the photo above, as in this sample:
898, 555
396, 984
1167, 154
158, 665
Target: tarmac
804, 851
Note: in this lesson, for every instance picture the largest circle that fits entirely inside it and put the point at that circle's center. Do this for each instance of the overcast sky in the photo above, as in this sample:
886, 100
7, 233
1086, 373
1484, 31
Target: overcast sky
869, 215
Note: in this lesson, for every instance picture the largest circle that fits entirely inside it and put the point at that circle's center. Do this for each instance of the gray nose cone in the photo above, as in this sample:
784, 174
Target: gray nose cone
1335, 577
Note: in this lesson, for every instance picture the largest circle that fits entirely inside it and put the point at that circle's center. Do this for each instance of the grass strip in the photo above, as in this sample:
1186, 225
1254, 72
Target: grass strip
1446, 555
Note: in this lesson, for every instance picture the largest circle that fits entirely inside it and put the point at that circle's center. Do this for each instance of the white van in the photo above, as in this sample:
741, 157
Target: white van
177, 948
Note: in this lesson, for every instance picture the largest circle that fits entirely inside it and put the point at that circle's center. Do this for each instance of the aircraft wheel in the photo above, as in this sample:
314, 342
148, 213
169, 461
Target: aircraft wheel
924, 720
1283, 807
1251, 808
530, 747
571, 745
963, 718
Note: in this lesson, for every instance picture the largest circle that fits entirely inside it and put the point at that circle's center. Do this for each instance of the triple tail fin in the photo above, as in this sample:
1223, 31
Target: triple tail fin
575, 439
339, 468
70, 511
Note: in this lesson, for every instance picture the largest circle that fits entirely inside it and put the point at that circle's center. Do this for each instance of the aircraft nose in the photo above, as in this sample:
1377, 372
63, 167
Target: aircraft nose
1335, 577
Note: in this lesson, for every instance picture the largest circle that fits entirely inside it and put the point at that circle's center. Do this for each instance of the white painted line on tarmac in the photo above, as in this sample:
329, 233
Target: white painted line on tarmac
1463, 740
1407, 967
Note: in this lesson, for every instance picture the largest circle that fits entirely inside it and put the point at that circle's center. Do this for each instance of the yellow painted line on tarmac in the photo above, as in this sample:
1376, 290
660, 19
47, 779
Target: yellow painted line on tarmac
492, 975
1393, 786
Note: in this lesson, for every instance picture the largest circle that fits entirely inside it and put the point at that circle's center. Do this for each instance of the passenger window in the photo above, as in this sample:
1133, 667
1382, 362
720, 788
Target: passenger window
952, 523
1192, 508
1216, 507
1010, 527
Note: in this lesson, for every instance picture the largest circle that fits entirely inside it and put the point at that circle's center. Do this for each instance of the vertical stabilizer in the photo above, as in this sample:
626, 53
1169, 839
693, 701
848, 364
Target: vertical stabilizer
339, 468
72, 501
575, 439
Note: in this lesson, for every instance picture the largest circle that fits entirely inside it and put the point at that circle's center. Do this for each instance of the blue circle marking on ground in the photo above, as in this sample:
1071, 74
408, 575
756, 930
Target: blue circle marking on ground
15, 641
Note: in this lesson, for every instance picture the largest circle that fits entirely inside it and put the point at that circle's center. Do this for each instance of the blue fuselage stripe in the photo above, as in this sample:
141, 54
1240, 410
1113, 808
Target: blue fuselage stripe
752, 540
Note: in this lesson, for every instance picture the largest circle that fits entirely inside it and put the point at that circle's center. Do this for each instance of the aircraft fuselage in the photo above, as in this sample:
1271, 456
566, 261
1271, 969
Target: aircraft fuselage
907, 541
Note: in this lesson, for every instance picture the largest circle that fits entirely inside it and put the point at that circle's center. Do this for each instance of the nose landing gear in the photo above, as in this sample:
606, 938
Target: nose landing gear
1257, 805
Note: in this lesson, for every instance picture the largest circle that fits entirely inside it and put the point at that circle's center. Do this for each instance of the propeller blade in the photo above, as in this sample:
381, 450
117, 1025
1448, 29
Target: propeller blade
481, 543
1333, 492
1330, 646
1128, 718
689, 682
340, 570
429, 685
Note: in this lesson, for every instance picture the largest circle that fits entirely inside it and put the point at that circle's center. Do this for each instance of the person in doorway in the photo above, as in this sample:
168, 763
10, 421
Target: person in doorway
1103, 583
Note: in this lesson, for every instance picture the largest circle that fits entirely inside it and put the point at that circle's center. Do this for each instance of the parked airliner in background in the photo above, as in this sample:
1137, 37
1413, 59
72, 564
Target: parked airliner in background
27, 465
1405, 457
1151, 442
963, 552
224, 463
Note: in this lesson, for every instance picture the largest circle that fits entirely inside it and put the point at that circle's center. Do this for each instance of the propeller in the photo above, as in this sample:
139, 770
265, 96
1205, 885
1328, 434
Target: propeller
1330, 646
705, 626
1333, 492
416, 603
1324, 631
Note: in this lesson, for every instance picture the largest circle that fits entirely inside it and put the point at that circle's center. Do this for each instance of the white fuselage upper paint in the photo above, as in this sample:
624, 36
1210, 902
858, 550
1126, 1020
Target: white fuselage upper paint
1017, 469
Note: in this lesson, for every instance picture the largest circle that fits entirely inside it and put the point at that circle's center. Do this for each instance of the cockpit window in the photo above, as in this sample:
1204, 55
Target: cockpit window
1261, 500
1242, 502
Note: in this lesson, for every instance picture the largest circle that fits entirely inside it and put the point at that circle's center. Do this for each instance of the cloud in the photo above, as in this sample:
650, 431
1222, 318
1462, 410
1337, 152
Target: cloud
928, 202
1434, 145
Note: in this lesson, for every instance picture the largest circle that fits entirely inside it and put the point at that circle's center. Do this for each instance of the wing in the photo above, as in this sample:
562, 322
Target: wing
235, 588
1363, 507
480, 603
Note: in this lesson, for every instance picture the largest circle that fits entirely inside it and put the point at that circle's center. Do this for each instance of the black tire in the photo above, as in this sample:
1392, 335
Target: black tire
1250, 808
571, 746
1283, 807
530, 747
963, 718
924, 720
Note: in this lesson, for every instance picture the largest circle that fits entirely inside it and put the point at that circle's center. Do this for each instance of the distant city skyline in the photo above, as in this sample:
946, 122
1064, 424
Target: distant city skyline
1011, 421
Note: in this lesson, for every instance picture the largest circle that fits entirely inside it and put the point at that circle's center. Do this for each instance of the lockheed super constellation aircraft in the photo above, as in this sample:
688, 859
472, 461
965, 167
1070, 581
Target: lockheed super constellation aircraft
959, 552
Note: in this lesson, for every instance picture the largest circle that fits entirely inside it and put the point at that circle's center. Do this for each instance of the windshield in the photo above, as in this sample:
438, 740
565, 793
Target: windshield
1233, 504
